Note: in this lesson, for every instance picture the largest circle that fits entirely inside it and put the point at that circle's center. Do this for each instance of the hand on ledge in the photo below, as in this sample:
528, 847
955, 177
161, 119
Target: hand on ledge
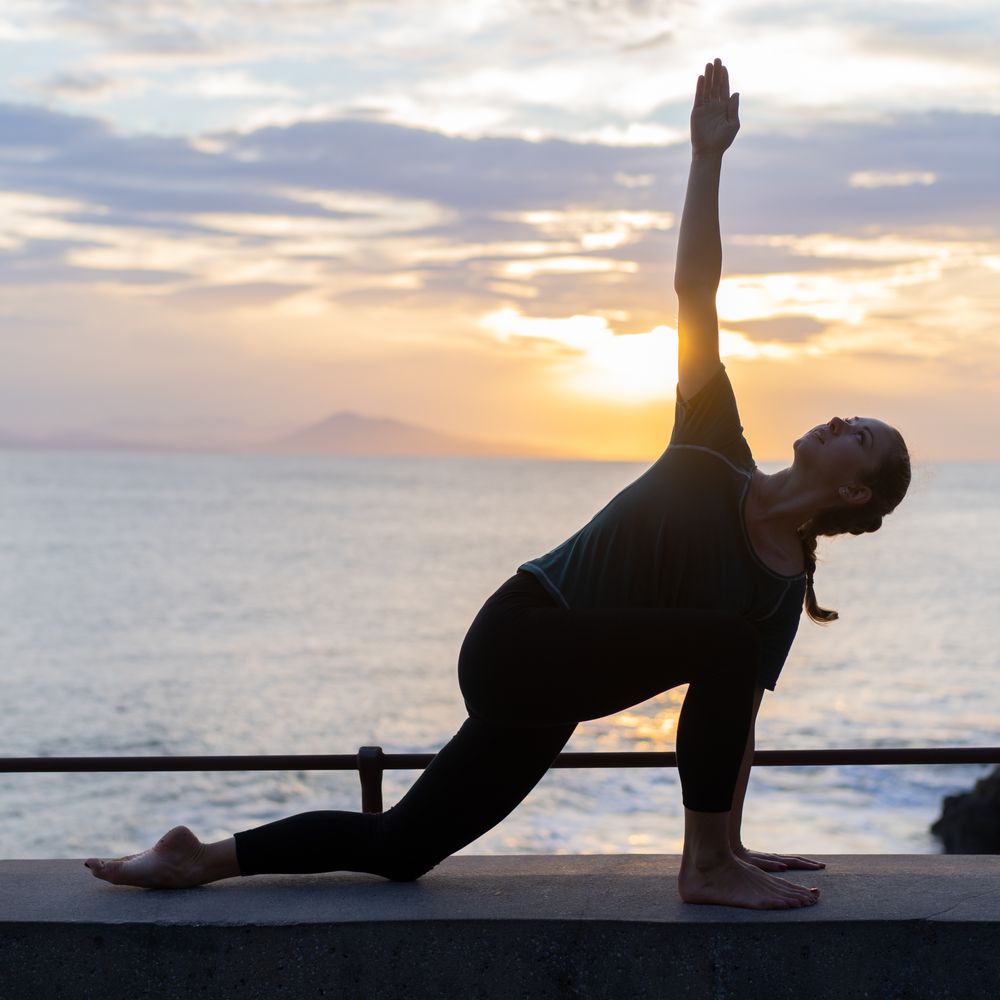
775, 862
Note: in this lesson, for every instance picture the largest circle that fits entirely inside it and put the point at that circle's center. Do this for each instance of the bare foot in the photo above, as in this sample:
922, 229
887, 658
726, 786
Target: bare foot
176, 861
732, 882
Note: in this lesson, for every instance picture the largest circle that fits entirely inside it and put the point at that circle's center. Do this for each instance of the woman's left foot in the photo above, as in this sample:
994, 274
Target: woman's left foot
175, 861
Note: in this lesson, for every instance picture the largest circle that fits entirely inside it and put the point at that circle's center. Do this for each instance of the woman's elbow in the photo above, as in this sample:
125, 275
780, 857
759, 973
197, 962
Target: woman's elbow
695, 288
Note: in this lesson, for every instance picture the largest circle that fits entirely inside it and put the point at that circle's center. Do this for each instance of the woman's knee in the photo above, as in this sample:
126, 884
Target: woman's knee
409, 867
404, 851
409, 873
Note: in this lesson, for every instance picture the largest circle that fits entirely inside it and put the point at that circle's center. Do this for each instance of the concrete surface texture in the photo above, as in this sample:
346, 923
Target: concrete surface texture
529, 926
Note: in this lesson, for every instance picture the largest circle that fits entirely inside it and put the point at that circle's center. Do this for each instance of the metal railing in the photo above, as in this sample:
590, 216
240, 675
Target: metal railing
372, 762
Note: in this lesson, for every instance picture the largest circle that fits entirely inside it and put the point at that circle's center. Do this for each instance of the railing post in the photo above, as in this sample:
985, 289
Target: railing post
370, 772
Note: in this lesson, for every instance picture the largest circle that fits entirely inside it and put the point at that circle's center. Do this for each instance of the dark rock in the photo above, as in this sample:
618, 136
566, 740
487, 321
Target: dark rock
970, 822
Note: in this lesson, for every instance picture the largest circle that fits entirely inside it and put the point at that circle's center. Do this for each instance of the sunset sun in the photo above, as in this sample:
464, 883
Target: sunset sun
591, 360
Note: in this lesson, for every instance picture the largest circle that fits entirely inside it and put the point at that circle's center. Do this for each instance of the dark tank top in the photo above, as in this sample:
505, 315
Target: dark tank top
676, 537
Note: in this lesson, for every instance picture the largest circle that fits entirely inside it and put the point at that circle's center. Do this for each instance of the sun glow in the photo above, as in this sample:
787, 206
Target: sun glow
593, 360
624, 368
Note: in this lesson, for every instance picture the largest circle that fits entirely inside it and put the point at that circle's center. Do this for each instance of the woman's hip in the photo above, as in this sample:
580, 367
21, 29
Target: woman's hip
523, 642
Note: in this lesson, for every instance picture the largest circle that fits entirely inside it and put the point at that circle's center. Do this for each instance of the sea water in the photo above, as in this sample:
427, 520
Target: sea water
158, 603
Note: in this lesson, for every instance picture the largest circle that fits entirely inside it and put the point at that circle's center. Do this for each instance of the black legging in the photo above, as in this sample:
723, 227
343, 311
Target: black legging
530, 671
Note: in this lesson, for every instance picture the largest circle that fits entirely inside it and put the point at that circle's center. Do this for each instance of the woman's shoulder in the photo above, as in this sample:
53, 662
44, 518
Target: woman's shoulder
734, 456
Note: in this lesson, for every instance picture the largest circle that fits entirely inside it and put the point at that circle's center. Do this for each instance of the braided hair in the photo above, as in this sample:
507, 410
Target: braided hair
888, 483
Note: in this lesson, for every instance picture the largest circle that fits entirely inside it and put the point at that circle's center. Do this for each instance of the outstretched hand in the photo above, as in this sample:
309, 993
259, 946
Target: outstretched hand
715, 118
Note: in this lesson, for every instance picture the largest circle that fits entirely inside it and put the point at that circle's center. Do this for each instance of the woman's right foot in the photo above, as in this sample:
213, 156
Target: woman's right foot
731, 882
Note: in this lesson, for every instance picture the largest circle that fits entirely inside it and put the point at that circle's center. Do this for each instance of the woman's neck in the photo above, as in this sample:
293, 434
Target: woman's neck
779, 502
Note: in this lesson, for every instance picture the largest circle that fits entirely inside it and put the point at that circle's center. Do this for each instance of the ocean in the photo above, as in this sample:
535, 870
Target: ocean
160, 603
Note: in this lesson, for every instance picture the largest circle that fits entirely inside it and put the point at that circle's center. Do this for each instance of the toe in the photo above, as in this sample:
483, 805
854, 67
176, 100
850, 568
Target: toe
111, 871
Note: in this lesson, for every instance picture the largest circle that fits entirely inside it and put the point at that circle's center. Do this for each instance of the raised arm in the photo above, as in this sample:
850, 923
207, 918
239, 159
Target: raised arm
714, 124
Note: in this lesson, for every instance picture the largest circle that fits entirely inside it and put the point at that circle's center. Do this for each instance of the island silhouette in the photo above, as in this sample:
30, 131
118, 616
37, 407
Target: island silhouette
343, 433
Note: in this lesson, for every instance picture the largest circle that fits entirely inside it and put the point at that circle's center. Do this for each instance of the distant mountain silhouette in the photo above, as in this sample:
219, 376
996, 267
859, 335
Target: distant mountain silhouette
344, 433
348, 433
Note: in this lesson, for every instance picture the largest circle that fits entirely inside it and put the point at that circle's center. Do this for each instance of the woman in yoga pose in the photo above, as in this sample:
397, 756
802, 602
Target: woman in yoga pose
694, 574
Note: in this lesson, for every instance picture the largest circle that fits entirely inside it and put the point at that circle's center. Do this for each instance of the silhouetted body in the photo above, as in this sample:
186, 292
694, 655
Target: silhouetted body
661, 588
695, 573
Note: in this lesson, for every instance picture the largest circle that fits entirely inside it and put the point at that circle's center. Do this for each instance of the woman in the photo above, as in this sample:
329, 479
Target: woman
694, 574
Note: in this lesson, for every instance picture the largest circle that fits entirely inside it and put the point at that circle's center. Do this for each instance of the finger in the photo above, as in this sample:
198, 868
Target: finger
716, 79
724, 83
734, 107
699, 92
709, 73
806, 861
767, 862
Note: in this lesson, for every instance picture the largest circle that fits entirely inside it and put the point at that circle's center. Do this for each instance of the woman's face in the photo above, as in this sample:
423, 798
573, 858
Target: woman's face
843, 451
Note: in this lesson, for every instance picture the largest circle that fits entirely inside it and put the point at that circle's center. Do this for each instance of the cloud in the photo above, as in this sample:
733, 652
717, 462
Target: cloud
810, 175
791, 329
326, 214
234, 84
594, 229
588, 356
181, 32
593, 360
566, 265
89, 85
556, 189
828, 247
247, 294
899, 178
597, 71
170, 26
186, 28
630, 24
957, 34
633, 134
330, 178
633, 180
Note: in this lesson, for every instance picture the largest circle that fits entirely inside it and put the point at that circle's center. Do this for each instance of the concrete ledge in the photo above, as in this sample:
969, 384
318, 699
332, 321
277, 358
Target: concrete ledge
534, 926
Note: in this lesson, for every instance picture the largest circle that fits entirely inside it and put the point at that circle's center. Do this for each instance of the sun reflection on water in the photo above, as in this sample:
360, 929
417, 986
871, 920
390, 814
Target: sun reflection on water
649, 726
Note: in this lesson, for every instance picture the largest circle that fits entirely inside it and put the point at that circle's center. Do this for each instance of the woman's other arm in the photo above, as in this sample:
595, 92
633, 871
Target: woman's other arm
714, 124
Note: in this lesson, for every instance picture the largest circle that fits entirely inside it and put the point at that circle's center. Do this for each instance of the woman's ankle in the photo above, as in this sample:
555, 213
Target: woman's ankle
707, 839
704, 856
218, 860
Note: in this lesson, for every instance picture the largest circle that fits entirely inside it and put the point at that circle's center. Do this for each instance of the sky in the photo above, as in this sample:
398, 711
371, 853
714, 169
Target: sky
224, 220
